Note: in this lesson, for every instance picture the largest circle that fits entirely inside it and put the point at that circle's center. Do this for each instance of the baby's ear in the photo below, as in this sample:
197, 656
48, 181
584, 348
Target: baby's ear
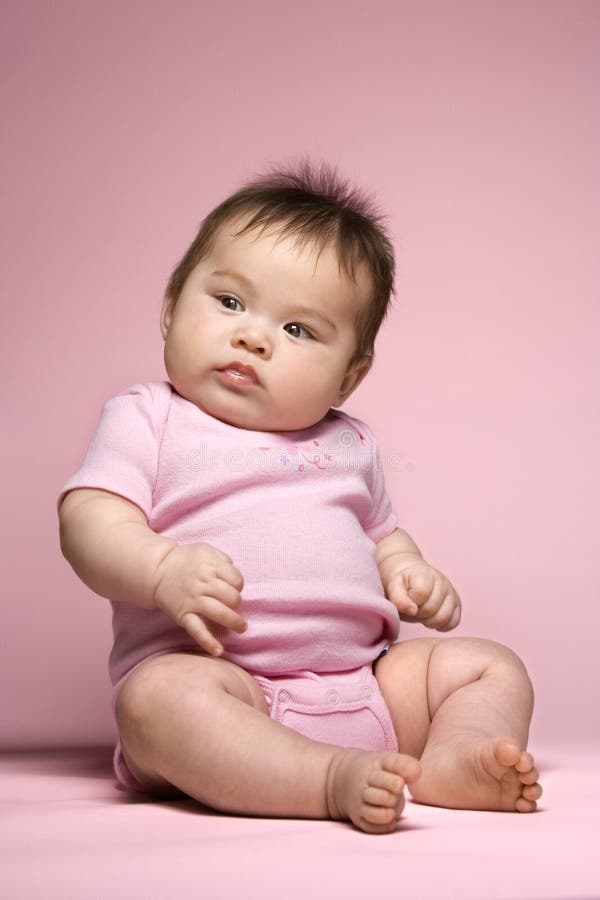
353, 378
166, 314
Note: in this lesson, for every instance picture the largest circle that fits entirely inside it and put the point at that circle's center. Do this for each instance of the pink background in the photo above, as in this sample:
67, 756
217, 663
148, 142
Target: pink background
476, 124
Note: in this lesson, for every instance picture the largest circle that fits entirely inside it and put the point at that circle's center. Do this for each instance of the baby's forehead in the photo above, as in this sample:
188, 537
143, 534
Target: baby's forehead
298, 250
256, 238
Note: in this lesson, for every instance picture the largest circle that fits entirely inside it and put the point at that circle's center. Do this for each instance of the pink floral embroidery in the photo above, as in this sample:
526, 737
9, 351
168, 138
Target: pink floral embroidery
306, 453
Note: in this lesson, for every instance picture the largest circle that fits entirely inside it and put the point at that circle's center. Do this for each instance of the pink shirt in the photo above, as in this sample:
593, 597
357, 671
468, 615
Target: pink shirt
299, 514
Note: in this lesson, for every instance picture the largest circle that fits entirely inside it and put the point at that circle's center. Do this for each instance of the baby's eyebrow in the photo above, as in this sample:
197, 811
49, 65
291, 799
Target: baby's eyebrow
236, 276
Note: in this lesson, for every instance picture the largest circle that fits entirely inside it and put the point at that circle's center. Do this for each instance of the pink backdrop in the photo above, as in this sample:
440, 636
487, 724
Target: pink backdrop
476, 124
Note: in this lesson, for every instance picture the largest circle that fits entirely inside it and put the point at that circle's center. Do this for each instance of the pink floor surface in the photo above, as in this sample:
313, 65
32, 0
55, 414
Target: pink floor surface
67, 832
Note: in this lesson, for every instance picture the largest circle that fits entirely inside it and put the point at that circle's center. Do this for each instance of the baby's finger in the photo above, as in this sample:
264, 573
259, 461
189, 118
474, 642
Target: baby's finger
197, 630
398, 595
222, 590
218, 612
420, 585
226, 570
440, 621
431, 604
455, 620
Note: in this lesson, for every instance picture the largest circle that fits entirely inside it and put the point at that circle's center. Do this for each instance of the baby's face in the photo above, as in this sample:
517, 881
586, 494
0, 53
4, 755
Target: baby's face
262, 335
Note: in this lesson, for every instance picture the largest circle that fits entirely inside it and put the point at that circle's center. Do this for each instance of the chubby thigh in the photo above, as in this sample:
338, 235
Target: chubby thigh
168, 676
416, 677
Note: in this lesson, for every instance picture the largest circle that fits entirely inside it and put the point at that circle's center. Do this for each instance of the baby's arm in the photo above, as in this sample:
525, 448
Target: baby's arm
109, 544
418, 591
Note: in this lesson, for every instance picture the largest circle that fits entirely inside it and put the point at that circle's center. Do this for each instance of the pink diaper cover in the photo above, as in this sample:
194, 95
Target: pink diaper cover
342, 708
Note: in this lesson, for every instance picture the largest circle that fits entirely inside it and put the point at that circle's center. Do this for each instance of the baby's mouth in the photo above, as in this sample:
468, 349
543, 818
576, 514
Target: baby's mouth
238, 373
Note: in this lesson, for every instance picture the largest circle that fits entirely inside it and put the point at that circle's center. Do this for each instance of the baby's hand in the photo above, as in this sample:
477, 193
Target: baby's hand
420, 593
194, 582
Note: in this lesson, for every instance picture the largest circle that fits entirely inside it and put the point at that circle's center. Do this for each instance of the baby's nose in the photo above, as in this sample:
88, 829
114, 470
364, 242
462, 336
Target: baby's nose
253, 342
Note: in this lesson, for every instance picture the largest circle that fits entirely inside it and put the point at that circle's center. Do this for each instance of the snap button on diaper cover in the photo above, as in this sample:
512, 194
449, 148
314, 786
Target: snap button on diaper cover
342, 708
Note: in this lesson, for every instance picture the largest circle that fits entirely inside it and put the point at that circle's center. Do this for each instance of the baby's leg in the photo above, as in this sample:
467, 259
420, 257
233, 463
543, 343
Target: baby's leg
463, 705
201, 724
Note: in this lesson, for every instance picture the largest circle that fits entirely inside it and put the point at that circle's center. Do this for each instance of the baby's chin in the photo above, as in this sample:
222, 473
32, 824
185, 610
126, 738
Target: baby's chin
251, 421
258, 423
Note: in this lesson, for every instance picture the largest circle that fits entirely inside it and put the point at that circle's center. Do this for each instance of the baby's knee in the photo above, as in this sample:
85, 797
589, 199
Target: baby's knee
481, 655
500, 655
178, 678
161, 680
134, 697
504, 654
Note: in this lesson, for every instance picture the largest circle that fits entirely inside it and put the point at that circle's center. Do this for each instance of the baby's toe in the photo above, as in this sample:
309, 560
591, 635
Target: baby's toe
525, 762
400, 764
525, 806
388, 781
378, 815
379, 797
532, 792
507, 753
529, 777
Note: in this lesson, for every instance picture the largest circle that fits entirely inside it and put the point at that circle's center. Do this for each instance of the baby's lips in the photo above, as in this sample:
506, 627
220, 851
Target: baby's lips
242, 369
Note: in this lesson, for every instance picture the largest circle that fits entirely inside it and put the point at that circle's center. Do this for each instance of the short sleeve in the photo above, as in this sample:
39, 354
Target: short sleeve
122, 456
380, 519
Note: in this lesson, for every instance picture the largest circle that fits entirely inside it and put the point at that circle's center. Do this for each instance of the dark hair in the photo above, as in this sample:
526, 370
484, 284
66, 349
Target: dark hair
314, 204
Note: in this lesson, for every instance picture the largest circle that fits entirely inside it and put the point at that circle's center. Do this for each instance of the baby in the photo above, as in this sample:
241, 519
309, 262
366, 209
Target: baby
239, 524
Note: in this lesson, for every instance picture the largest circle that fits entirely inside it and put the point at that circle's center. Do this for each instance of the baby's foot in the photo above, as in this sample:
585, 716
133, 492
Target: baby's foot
368, 788
487, 774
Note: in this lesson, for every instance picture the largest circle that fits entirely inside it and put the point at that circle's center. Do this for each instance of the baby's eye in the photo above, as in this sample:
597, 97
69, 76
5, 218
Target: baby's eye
297, 330
230, 302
